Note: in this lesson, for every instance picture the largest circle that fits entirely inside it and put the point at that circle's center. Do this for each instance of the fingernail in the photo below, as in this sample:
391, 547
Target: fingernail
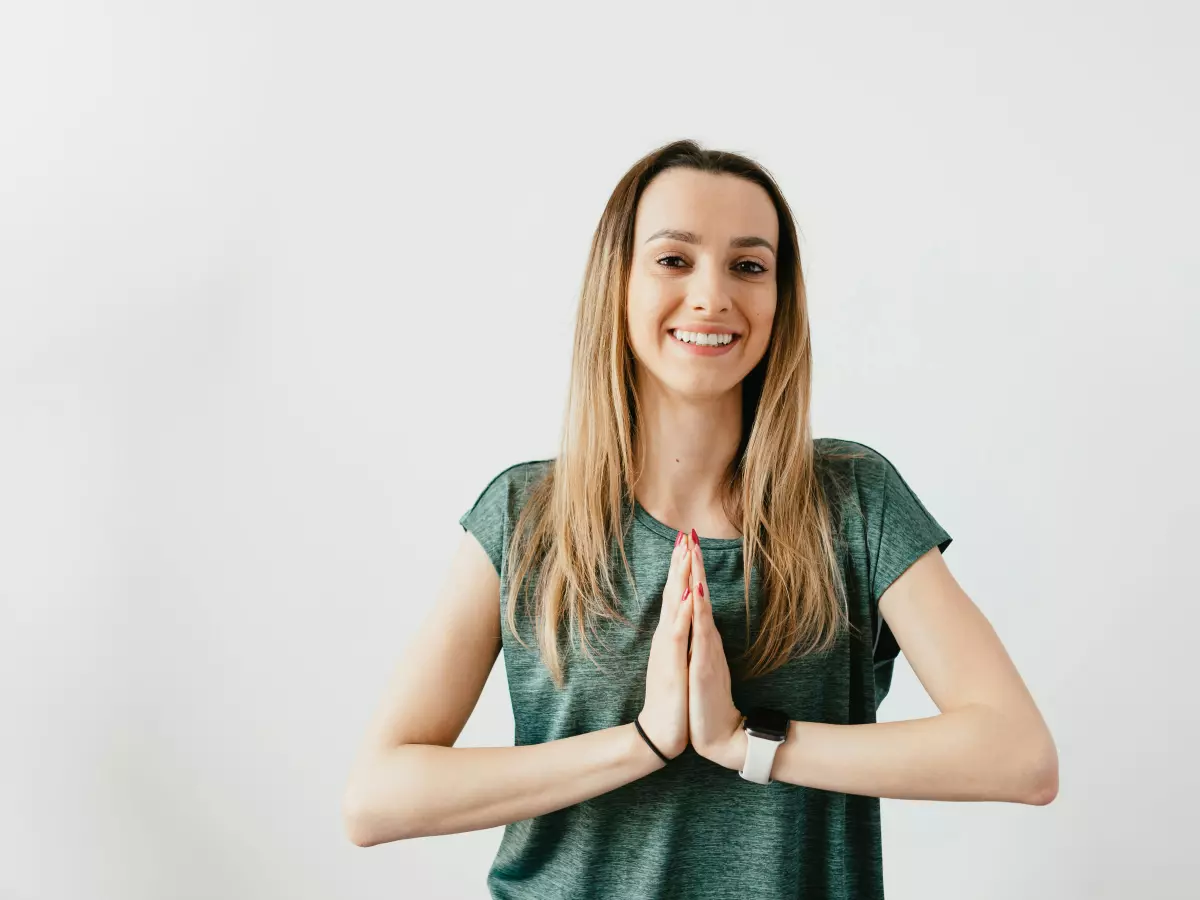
695, 537
686, 592
700, 588
678, 538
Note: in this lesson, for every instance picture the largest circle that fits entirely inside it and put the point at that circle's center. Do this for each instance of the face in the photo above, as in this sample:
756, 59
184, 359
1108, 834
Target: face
700, 308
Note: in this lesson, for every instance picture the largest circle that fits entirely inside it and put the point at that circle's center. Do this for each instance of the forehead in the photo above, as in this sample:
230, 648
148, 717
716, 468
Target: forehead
713, 205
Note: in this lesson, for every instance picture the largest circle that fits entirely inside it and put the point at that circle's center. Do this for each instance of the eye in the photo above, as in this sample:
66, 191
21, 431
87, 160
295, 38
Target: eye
751, 262
745, 262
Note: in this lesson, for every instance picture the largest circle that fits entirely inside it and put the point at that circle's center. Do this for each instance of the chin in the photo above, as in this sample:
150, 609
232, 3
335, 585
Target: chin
700, 388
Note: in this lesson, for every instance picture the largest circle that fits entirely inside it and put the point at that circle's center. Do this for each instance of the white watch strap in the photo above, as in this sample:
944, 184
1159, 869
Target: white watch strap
760, 756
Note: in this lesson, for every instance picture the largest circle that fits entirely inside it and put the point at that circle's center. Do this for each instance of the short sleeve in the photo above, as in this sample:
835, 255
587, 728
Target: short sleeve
900, 530
494, 511
903, 531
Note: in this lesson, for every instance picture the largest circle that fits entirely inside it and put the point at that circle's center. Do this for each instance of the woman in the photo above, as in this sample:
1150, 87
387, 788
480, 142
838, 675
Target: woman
734, 573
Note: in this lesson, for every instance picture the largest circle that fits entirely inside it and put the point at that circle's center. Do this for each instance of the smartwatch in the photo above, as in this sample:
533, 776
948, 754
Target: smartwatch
765, 730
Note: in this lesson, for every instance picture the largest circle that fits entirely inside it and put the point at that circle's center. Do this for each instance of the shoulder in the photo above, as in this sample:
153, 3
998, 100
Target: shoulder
518, 477
506, 491
897, 522
861, 478
498, 505
845, 459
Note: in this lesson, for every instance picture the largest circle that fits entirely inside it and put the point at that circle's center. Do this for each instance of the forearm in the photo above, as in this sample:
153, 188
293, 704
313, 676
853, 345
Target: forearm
971, 753
417, 790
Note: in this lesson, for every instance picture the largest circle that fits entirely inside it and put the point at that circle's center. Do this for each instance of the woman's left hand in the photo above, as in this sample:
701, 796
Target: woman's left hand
714, 723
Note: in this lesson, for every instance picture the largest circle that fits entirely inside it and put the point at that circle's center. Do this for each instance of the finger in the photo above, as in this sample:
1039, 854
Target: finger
695, 636
703, 624
700, 635
679, 556
683, 608
678, 575
683, 617
682, 576
699, 579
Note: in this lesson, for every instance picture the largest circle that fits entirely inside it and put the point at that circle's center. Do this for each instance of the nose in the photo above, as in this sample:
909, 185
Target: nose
706, 290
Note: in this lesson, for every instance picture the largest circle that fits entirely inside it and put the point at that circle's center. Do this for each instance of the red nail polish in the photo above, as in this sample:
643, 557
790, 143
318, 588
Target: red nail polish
695, 538
686, 592
700, 588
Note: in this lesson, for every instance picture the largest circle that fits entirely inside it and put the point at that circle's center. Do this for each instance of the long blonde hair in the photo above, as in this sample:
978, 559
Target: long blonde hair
562, 540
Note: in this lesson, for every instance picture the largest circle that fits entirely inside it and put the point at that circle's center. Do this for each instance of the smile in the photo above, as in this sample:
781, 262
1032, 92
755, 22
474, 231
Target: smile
704, 344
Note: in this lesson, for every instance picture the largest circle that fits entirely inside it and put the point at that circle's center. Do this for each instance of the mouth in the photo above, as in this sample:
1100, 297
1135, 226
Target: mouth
704, 344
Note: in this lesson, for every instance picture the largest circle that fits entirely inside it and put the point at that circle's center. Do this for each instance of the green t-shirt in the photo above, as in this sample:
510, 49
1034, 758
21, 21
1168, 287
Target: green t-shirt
694, 829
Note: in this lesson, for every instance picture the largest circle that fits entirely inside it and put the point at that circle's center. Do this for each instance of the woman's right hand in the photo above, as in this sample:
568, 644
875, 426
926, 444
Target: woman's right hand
664, 715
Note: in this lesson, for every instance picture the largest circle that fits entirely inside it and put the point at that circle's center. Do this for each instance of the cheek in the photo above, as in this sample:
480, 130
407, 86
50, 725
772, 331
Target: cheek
761, 319
766, 312
764, 316
646, 314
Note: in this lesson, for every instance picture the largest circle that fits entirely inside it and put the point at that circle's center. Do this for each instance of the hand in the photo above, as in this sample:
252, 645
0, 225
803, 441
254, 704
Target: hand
714, 723
664, 715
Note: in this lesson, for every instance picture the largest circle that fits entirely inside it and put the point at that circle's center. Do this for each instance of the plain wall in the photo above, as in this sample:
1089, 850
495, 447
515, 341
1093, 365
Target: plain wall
282, 286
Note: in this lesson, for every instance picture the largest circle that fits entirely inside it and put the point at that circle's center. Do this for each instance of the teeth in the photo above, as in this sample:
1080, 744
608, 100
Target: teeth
706, 340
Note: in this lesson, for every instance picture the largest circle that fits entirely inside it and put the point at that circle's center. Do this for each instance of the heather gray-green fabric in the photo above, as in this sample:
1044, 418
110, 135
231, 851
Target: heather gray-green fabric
694, 830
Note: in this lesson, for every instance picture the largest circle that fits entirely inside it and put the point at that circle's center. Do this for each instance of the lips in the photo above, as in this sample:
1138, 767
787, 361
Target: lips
704, 349
675, 332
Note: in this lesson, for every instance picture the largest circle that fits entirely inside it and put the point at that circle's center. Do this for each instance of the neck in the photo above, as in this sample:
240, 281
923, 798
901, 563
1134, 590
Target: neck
687, 446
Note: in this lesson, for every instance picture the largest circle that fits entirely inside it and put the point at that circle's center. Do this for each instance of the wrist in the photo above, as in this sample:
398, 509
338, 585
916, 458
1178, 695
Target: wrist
646, 749
734, 753
638, 751
729, 753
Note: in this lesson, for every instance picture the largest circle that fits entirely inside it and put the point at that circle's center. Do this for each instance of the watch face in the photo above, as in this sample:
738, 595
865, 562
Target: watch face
768, 723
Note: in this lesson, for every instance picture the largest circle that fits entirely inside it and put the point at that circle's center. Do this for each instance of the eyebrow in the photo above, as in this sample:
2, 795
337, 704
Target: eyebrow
690, 237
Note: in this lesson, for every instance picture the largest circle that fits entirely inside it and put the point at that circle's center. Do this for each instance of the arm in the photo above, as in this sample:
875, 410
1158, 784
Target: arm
989, 741
410, 781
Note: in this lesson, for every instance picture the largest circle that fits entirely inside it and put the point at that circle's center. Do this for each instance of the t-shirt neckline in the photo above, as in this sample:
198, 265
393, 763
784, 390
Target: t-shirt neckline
670, 534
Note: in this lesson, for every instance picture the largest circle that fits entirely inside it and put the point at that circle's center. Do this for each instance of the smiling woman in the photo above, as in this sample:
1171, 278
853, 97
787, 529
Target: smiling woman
750, 586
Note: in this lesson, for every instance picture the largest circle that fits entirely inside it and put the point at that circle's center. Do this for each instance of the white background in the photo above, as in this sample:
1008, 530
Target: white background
284, 285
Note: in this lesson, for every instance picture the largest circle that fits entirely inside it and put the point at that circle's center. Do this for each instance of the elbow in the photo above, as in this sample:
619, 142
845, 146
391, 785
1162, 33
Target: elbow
1045, 784
367, 819
364, 824
356, 820
1038, 776
1020, 754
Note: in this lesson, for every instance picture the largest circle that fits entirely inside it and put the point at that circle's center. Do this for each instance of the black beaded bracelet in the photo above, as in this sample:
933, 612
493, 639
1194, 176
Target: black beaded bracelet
638, 725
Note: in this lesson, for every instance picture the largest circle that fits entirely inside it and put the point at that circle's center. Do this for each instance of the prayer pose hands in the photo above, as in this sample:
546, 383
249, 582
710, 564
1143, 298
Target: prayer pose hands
688, 694
714, 723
